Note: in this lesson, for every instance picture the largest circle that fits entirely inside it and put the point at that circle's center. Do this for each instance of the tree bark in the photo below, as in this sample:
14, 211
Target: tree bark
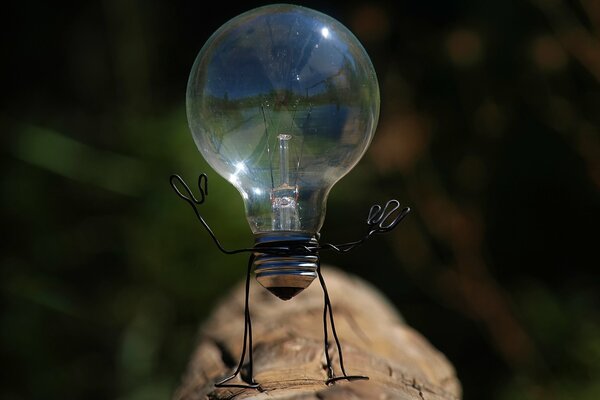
289, 361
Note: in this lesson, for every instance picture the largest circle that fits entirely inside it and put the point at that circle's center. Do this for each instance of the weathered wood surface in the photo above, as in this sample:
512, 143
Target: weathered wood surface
288, 348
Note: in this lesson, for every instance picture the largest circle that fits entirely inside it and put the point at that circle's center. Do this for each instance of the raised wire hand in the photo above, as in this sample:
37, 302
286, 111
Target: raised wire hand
379, 218
189, 196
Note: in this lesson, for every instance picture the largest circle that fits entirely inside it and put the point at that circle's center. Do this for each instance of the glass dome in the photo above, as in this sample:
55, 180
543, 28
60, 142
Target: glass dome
283, 101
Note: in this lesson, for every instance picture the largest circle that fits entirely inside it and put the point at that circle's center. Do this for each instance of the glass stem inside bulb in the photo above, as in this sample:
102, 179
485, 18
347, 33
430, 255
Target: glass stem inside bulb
284, 156
284, 197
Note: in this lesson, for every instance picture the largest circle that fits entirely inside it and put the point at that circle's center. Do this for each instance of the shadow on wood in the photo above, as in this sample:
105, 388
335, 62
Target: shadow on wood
289, 362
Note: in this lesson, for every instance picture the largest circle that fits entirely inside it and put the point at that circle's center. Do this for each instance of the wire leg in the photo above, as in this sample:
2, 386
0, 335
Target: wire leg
326, 303
247, 343
328, 310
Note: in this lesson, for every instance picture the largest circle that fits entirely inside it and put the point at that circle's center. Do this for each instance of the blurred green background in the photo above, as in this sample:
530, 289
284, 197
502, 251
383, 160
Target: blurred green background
489, 130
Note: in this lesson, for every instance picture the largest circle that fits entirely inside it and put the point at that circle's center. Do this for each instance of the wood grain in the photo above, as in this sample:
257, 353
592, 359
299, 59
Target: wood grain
288, 348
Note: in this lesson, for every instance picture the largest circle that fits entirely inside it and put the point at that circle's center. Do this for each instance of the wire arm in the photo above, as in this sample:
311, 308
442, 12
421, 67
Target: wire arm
379, 220
185, 193
183, 190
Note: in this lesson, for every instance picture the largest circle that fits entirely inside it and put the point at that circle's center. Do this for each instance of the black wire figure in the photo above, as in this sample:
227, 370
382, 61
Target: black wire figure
380, 220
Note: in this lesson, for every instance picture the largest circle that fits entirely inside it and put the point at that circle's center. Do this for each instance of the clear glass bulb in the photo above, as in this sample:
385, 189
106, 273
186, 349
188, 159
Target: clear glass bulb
283, 101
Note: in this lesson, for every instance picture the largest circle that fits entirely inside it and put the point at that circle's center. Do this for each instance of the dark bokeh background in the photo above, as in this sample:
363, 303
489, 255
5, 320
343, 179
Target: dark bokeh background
489, 130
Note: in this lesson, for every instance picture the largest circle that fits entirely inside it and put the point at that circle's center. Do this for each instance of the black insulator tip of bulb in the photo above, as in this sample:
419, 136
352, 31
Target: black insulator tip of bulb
285, 293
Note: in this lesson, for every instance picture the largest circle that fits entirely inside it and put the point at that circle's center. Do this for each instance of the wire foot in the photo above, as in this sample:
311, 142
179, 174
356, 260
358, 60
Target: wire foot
223, 383
349, 378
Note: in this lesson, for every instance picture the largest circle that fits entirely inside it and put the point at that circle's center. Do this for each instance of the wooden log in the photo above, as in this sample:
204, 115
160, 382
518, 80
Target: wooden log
289, 361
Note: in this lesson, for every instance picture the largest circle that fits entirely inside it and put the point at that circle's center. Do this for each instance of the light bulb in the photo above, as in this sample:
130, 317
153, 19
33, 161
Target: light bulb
283, 101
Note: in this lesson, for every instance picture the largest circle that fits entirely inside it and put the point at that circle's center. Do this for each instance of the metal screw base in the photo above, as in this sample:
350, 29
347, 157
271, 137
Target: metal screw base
288, 274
